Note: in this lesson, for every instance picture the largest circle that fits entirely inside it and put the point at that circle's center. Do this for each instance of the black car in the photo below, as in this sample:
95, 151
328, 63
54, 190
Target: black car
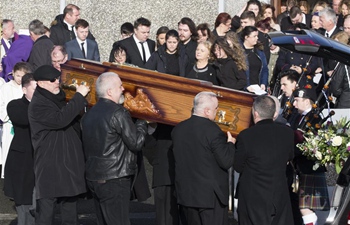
312, 43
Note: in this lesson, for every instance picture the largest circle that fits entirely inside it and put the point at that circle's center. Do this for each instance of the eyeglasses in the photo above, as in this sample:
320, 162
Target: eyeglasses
57, 61
54, 79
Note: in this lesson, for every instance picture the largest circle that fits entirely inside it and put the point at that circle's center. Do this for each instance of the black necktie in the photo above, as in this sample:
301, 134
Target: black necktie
83, 50
10, 42
143, 53
327, 35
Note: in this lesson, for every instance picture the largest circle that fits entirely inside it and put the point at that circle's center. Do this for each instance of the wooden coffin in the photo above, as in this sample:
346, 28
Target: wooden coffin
160, 97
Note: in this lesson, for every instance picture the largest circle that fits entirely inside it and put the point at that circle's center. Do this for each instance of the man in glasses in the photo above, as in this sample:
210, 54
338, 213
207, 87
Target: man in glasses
58, 160
58, 56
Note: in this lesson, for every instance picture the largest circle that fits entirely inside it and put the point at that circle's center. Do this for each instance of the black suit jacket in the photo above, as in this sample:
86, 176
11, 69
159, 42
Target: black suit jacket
41, 52
328, 65
261, 157
286, 23
19, 169
337, 30
162, 158
60, 34
74, 50
133, 54
190, 49
202, 158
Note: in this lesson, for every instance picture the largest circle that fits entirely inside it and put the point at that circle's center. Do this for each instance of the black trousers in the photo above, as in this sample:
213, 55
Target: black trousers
45, 210
167, 210
205, 216
112, 200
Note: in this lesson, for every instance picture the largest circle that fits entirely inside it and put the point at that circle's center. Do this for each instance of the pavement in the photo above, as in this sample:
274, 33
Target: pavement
141, 213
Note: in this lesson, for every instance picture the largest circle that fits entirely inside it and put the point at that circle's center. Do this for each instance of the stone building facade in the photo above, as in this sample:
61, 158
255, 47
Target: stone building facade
105, 17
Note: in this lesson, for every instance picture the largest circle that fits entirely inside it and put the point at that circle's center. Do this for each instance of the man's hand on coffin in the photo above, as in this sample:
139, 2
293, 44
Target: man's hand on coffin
83, 89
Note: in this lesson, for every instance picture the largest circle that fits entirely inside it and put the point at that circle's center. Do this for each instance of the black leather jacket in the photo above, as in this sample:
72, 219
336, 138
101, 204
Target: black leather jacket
111, 140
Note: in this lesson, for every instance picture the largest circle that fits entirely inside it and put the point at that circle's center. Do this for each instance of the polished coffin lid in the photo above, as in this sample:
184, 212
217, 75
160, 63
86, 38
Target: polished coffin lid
160, 97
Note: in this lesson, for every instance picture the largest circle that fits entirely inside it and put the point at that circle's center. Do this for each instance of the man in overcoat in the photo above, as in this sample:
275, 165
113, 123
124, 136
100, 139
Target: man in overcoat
58, 155
203, 154
261, 156
19, 174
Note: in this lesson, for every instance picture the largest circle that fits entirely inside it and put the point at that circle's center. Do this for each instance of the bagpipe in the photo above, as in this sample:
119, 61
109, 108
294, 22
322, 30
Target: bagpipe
313, 120
288, 107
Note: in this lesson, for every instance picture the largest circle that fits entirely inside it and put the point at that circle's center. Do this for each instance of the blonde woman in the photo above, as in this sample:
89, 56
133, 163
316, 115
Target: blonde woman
319, 6
203, 69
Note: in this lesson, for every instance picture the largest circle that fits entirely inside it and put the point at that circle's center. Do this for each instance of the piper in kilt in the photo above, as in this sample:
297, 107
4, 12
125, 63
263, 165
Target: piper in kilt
313, 194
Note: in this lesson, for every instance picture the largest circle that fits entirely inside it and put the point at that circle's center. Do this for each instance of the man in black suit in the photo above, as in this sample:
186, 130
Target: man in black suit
62, 29
138, 47
203, 154
19, 167
263, 196
163, 183
328, 20
295, 17
81, 47
41, 52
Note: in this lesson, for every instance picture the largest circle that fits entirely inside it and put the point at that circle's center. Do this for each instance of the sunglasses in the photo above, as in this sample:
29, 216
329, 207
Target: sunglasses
54, 79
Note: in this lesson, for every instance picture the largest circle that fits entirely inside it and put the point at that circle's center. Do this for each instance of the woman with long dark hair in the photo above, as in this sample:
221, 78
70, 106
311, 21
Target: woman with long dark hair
269, 12
160, 35
229, 70
222, 25
258, 71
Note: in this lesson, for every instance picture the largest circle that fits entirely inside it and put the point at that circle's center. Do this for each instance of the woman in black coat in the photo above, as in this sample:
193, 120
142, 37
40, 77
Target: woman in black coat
229, 69
203, 69
170, 58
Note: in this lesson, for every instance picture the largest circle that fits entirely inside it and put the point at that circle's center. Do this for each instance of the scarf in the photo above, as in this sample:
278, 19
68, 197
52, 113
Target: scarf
59, 99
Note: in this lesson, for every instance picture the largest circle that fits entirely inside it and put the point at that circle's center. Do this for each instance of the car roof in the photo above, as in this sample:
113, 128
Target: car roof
311, 43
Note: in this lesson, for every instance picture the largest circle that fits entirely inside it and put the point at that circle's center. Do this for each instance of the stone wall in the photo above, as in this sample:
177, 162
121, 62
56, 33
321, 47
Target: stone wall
105, 17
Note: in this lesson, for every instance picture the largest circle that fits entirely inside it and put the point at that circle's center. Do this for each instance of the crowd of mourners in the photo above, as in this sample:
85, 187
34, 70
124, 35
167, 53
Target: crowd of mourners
49, 156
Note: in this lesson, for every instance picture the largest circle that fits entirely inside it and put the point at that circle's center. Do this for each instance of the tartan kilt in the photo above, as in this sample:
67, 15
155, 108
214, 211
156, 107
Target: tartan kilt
313, 193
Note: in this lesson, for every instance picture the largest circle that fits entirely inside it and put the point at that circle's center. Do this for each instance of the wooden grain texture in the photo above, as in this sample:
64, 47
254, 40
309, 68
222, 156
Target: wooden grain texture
171, 95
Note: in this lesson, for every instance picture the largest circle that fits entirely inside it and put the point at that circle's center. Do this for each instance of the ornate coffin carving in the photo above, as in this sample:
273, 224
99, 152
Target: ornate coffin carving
160, 97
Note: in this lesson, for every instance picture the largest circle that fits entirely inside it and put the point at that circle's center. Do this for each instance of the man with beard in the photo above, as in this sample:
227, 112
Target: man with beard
188, 36
111, 143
